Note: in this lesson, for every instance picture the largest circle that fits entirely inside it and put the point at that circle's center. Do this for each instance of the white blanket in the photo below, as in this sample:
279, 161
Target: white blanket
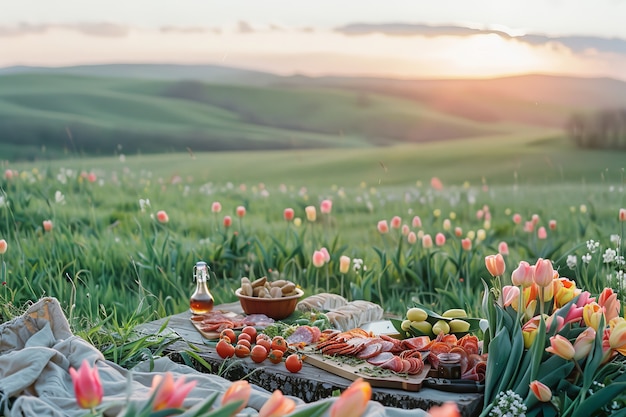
38, 348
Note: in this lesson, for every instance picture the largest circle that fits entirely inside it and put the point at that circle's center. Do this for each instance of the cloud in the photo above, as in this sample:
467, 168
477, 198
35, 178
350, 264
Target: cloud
575, 43
191, 30
91, 29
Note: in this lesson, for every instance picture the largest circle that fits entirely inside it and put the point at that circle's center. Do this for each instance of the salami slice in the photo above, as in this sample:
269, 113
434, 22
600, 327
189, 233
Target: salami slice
418, 342
381, 358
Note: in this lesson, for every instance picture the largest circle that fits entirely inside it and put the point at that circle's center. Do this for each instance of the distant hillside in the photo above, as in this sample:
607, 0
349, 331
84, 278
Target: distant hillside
105, 109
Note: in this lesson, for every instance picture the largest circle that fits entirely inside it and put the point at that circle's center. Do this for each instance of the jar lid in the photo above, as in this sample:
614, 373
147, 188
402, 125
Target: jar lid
449, 357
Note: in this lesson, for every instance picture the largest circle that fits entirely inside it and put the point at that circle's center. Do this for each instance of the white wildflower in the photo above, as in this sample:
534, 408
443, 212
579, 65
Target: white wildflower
59, 198
609, 256
615, 239
572, 260
586, 258
592, 245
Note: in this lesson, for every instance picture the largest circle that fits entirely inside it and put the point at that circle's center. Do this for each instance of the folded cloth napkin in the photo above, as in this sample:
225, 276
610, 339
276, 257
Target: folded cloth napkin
38, 348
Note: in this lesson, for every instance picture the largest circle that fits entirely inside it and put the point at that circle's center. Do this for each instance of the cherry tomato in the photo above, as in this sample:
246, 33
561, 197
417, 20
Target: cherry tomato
262, 336
229, 333
258, 353
275, 356
244, 336
265, 343
293, 363
251, 330
245, 342
225, 349
241, 351
279, 343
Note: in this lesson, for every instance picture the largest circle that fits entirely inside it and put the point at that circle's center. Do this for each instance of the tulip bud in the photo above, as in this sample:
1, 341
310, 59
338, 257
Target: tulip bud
277, 406
495, 264
544, 273
344, 264
541, 391
561, 346
584, 343
326, 206
396, 222
87, 386
288, 214
522, 276
216, 207
382, 227
3, 246
353, 401
238, 391
241, 211
311, 213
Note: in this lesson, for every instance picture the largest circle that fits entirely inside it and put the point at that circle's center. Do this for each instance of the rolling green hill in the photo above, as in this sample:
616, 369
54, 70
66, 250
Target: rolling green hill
46, 113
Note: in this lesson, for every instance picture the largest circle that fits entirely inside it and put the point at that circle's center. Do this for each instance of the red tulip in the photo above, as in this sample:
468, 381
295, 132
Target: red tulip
162, 216
622, 215
466, 244
87, 386
3, 246
228, 221
288, 214
47, 225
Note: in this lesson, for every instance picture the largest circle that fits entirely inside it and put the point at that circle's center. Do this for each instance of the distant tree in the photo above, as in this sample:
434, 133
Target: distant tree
601, 129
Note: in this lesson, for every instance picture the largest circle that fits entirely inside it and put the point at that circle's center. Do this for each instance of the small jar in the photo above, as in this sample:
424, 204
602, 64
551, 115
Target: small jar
449, 365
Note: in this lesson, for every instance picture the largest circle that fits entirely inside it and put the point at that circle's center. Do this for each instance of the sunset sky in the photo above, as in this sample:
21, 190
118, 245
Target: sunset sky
403, 38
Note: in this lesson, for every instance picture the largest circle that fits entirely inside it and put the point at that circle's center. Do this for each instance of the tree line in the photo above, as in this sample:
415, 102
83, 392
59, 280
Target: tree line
601, 129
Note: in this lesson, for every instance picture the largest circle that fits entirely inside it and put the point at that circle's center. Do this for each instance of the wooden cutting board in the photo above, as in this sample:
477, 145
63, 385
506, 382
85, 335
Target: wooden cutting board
196, 320
406, 383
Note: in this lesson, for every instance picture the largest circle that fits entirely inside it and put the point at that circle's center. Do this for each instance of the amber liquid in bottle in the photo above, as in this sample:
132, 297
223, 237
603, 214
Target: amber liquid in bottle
201, 301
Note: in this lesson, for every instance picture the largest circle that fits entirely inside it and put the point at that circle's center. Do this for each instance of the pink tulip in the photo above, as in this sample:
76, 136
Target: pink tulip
170, 393
405, 230
3, 246
416, 222
584, 343
411, 238
522, 275
344, 264
552, 224
535, 219
447, 409
277, 406
592, 314
396, 221
503, 248
622, 215
241, 211
495, 264
92, 177
542, 233
447, 225
458, 232
353, 401
8, 174
608, 300
238, 391
326, 254
541, 391
228, 221
87, 386
466, 244
288, 214
318, 259
162, 216
510, 296
561, 346
427, 241
544, 273
436, 183
517, 218
440, 239
480, 214
529, 227
47, 225
326, 206
311, 213
216, 207
382, 227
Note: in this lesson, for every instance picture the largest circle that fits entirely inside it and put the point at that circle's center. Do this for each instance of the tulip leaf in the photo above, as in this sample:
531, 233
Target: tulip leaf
537, 350
599, 399
314, 411
594, 358
512, 365
496, 363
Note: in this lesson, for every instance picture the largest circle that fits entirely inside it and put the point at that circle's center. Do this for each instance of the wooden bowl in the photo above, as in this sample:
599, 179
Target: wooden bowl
276, 308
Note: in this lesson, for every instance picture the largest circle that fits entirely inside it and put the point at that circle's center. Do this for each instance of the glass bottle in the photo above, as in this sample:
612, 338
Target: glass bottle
201, 301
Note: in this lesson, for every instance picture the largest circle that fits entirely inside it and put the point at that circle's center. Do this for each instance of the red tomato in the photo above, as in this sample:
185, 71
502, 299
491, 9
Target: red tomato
251, 330
245, 342
258, 353
244, 336
265, 343
279, 343
241, 351
229, 333
225, 349
293, 363
276, 356
262, 336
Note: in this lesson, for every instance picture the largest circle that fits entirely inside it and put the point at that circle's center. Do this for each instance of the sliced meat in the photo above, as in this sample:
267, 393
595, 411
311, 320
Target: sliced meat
418, 342
381, 358
370, 351
301, 335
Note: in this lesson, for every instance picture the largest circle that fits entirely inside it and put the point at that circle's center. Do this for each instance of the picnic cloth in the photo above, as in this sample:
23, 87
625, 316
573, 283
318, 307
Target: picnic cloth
38, 348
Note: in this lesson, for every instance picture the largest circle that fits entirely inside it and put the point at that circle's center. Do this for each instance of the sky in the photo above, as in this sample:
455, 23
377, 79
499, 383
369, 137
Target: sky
391, 38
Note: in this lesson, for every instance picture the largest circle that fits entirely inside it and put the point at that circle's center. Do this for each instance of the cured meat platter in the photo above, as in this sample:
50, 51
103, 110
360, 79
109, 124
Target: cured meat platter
367, 371
210, 325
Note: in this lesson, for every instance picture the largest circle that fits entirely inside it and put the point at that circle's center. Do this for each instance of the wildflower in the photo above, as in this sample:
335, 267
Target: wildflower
495, 264
517, 218
143, 204
586, 258
543, 273
311, 213
216, 207
162, 216
228, 221
427, 241
318, 259
87, 386
288, 214
344, 264
3, 246
541, 391
326, 206
59, 198
47, 225
522, 275
508, 403
571, 261
466, 244
609, 256
416, 222
238, 391
552, 224
503, 248
169, 393
353, 401
542, 234
382, 226
592, 245
440, 239
240, 211
278, 405
561, 346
